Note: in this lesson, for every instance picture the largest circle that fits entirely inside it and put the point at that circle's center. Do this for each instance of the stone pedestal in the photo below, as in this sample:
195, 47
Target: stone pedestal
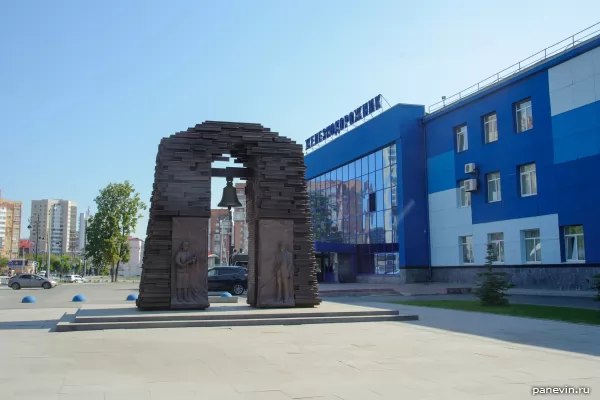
189, 286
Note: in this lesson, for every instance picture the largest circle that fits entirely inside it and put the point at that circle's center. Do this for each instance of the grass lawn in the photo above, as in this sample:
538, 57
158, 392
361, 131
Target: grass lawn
566, 314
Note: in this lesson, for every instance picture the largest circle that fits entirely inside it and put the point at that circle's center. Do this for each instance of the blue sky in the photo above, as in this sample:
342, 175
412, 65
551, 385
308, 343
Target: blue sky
88, 89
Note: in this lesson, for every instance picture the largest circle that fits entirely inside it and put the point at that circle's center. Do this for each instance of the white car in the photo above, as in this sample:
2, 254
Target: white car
74, 279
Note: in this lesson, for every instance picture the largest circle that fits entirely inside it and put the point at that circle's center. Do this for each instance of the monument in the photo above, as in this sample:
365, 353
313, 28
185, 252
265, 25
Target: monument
281, 260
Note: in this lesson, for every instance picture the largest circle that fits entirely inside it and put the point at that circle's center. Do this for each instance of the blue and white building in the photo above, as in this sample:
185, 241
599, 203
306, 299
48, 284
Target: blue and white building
512, 163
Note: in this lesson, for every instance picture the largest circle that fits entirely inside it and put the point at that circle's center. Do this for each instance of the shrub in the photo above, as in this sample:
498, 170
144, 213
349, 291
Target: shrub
597, 286
492, 286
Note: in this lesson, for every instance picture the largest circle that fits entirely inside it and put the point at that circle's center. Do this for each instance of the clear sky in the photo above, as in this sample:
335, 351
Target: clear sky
88, 88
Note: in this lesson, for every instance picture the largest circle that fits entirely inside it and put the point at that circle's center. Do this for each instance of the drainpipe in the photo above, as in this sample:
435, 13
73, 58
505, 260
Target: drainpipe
427, 232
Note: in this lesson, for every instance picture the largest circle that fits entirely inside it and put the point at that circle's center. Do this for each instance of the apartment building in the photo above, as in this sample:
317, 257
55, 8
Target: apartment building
133, 267
59, 218
220, 239
10, 227
240, 227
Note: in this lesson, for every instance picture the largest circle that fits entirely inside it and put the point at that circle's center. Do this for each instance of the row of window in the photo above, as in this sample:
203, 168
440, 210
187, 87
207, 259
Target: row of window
574, 249
528, 185
524, 122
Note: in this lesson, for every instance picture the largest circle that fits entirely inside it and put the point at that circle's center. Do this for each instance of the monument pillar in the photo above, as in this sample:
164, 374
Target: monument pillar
189, 288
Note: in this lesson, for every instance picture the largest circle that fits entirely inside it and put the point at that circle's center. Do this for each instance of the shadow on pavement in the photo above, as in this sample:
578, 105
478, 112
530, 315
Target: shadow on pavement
564, 336
22, 325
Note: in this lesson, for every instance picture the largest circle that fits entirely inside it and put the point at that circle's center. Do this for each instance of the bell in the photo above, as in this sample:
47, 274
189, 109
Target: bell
229, 198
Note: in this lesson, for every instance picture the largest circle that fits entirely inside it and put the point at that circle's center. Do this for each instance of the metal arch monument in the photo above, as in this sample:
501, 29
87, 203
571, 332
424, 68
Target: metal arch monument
281, 260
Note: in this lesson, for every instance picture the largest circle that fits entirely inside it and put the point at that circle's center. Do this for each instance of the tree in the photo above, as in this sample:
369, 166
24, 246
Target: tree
108, 231
3, 262
597, 286
492, 287
322, 211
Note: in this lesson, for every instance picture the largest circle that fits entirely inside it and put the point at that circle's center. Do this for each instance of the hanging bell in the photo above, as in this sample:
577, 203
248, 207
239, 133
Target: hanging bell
229, 198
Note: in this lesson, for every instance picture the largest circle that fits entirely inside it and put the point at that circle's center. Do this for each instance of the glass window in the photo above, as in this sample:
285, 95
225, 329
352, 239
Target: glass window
464, 196
212, 272
496, 240
379, 159
490, 128
524, 114
388, 220
371, 158
393, 175
493, 187
389, 236
387, 159
344, 173
387, 198
574, 246
365, 165
466, 249
533, 245
358, 168
462, 141
380, 200
338, 174
351, 171
528, 180
387, 178
380, 221
372, 202
372, 183
379, 179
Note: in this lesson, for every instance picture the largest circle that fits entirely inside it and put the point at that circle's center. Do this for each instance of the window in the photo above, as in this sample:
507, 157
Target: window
528, 180
490, 128
497, 242
524, 115
493, 187
212, 272
465, 197
574, 247
466, 249
462, 142
533, 246
372, 202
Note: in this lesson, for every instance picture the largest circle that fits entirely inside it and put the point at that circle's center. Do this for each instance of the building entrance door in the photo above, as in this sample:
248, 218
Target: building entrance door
324, 267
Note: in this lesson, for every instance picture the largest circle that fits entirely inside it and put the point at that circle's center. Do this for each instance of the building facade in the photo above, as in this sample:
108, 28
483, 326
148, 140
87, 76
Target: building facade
509, 167
220, 238
10, 227
240, 226
133, 268
59, 218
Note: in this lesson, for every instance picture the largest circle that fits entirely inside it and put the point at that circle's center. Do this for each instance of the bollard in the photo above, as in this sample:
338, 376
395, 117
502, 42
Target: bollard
225, 294
132, 297
28, 299
79, 297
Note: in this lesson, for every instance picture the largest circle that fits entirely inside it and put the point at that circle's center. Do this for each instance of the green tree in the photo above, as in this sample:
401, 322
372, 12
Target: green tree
3, 262
322, 212
119, 207
492, 286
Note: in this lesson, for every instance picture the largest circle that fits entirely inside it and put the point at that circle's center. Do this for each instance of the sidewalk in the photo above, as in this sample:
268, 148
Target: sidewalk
428, 289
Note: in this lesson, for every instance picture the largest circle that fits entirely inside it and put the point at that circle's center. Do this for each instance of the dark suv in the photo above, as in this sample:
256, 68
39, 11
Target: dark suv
228, 278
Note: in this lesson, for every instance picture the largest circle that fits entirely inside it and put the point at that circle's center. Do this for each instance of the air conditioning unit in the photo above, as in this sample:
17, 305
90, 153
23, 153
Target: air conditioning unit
471, 185
470, 168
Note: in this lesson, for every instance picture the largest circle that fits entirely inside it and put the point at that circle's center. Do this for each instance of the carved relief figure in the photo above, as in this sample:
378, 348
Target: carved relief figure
184, 260
284, 272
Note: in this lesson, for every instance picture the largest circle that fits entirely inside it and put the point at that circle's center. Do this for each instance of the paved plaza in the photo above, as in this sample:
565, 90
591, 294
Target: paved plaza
446, 355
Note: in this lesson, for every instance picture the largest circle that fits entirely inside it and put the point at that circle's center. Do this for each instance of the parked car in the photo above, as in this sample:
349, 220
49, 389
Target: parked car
232, 279
30, 281
74, 279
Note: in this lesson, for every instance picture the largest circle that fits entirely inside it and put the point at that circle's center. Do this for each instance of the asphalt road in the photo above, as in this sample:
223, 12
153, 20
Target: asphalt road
62, 295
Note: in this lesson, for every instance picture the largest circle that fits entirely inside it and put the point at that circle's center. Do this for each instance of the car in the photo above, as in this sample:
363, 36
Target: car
232, 279
30, 281
74, 279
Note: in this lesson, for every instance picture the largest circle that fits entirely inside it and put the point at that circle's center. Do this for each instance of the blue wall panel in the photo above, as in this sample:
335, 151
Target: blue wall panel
440, 172
576, 133
505, 155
